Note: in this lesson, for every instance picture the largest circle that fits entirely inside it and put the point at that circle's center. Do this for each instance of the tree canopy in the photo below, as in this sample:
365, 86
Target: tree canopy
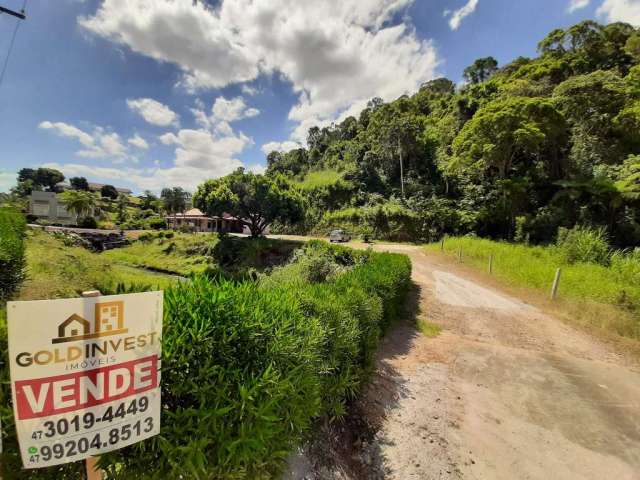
524, 149
256, 200
109, 191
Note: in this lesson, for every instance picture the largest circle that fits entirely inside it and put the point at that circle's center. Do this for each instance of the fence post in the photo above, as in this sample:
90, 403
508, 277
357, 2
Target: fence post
490, 264
460, 254
442, 245
93, 472
556, 284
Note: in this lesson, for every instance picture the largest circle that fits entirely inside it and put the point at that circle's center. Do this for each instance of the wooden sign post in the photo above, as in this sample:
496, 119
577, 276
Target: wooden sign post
91, 463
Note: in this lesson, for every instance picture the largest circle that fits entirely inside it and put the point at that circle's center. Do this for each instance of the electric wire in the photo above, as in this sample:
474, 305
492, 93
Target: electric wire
13, 39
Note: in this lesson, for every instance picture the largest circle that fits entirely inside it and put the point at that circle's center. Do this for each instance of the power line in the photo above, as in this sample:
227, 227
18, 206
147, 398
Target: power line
21, 16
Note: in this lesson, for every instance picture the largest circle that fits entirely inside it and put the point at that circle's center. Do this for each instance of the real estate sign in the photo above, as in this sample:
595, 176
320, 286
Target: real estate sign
85, 375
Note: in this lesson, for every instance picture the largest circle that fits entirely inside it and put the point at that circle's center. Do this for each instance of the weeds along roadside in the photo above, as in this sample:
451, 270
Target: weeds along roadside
249, 366
597, 289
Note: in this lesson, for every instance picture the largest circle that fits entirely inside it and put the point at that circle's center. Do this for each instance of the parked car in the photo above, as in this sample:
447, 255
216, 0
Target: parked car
339, 236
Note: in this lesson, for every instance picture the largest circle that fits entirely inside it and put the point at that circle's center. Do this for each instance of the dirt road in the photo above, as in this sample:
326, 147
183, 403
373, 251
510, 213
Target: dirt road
504, 392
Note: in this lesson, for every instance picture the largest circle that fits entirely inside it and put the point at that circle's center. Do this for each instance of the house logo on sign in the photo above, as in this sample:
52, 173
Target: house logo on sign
109, 320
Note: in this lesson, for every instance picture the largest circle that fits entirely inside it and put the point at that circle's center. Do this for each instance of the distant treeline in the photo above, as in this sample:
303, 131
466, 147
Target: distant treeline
515, 153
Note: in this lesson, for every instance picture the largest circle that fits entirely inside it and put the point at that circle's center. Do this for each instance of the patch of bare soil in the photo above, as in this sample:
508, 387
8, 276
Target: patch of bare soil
505, 392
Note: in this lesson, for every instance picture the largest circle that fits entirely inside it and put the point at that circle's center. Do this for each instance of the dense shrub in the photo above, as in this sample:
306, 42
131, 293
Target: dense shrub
12, 250
248, 367
584, 244
156, 223
88, 222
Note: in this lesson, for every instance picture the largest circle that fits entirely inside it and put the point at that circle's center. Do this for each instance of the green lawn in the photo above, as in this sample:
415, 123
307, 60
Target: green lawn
55, 270
585, 287
183, 254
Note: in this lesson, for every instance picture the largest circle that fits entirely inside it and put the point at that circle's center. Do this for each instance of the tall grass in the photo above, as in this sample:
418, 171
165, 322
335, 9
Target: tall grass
320, 178
184, 254
617, 284
12, 261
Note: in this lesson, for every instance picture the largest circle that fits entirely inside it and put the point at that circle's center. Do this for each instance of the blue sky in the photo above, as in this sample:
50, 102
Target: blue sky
150, 93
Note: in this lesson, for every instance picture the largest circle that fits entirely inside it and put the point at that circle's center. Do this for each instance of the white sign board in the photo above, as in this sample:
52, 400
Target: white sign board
85, 375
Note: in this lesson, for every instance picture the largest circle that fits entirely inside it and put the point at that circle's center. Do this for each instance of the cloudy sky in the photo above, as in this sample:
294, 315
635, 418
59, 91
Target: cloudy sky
153, 93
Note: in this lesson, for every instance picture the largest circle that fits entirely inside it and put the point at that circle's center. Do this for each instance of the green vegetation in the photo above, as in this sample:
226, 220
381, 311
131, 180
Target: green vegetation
519, 152
615, 283
429, 329
12, 257
56, 270
248, 367
256, 200
319, 179
180, 254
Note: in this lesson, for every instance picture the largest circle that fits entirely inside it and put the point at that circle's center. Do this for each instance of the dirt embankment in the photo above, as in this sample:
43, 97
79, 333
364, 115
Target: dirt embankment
504, 392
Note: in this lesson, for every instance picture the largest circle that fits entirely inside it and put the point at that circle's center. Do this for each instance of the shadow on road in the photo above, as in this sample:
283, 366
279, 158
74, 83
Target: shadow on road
349, 447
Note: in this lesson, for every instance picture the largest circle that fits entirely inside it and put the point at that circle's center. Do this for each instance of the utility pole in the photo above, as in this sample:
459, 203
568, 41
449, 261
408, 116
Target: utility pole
401, 169
20, 14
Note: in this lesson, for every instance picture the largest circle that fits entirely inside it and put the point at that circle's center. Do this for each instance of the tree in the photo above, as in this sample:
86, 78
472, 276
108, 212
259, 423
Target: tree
79, 183
121, 208
79, 202
48, 178
149, 201
481, 70
174, 199
109, 191
440, 86
25, 174
256, 200
632, 47
30, 179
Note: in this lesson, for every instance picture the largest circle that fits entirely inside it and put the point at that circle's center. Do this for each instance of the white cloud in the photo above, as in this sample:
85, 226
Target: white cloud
232, 110
98, 144
621, 11
7, 181
66, 130
320, 47
575, 5
267, 148
458, 15
168, 138
152, 111
257, 168
248, 90
138, 141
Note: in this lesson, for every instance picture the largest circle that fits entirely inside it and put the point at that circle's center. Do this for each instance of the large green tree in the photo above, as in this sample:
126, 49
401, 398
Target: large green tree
256, 200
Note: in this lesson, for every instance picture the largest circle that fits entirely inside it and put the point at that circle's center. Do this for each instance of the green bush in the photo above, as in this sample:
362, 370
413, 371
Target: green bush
156, 223
247, 368
88, 222
12, 251
584, 244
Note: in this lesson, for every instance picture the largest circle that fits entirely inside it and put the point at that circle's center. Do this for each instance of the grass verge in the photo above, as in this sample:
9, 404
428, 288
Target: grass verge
602, 297
184, 254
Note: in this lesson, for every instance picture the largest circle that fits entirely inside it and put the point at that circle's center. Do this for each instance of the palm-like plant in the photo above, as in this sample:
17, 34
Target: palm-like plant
79, 202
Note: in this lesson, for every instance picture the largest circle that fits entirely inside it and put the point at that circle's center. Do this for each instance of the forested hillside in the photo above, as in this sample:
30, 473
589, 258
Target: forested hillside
517, 152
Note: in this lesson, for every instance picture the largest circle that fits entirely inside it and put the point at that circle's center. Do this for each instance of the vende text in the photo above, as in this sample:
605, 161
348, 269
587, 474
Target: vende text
42, 397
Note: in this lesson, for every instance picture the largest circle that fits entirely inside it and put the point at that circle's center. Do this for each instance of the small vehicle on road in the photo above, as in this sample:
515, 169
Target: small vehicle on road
339, 236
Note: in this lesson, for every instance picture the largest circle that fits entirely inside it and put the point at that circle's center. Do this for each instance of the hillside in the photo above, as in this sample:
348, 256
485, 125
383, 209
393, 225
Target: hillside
515, 153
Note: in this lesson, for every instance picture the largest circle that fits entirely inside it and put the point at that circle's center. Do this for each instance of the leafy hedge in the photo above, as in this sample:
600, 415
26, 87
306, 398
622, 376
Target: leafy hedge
248, 368
12, 259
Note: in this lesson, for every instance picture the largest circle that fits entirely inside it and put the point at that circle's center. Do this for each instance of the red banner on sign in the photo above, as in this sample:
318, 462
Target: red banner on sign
41, 397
